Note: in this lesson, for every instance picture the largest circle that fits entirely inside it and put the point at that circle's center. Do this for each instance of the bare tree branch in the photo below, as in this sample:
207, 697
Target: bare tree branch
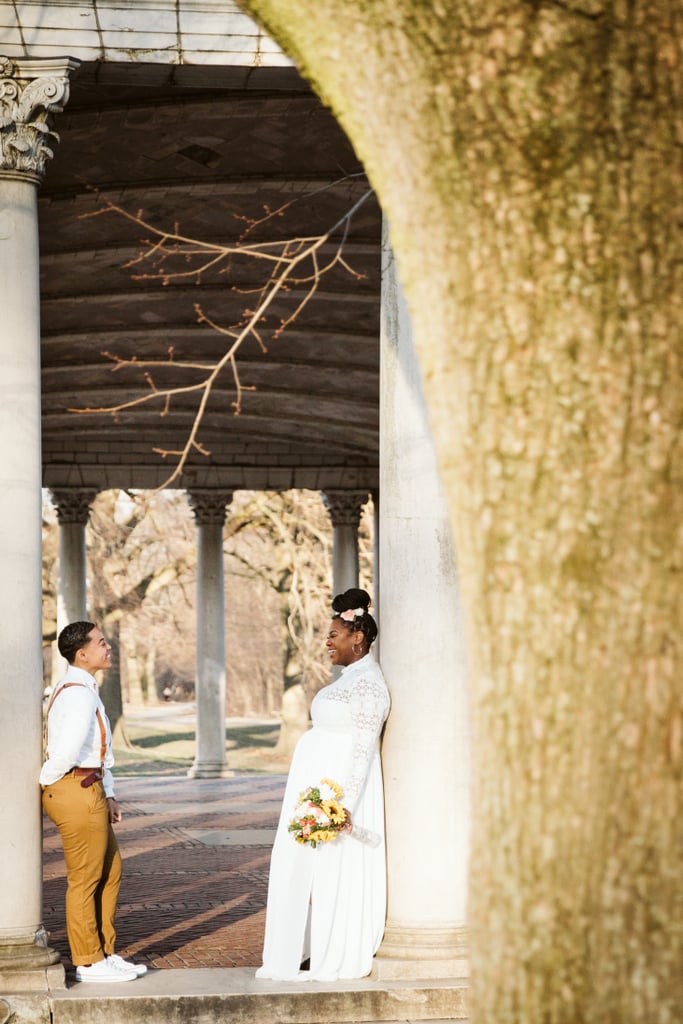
292, 264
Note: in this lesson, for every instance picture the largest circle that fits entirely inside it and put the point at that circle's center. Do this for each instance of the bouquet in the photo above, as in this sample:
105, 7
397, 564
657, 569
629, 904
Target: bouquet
318, 816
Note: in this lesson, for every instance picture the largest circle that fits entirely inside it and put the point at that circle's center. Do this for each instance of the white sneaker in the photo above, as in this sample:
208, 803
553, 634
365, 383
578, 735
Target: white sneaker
106, 972
127, 965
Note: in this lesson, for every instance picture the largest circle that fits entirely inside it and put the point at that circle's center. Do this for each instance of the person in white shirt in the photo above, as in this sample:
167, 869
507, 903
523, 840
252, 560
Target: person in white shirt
78, 796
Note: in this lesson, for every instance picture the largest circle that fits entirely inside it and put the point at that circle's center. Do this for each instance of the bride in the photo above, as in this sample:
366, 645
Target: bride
329, 903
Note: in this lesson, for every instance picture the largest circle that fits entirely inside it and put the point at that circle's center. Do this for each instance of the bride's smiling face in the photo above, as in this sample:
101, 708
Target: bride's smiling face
340, 643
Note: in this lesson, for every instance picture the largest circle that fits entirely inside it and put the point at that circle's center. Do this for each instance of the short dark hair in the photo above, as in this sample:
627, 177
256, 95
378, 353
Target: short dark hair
353, 599
72, 638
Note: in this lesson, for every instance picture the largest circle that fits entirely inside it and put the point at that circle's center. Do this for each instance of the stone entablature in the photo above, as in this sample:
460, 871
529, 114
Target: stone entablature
152, 31
147, 473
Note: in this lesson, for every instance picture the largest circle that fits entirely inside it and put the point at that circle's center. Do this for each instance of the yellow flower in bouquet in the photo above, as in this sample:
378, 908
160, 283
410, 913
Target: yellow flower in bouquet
334, 811
318, 816
322, 835
334, 786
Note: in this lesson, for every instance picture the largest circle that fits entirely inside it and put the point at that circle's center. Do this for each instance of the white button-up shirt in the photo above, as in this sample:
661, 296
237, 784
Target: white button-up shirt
73, 731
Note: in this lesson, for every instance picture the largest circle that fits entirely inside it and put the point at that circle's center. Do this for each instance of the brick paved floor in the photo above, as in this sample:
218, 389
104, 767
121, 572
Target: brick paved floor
195, 870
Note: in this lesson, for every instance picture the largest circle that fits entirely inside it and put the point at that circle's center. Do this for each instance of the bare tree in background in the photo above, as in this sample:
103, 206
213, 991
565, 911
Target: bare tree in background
138, 554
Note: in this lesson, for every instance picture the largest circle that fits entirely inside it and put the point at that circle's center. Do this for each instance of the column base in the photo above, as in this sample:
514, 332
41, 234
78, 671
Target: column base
209, 770
420, 953
30, 967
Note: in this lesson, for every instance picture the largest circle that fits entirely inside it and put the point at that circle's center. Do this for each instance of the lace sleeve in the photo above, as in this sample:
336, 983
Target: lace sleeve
369, 704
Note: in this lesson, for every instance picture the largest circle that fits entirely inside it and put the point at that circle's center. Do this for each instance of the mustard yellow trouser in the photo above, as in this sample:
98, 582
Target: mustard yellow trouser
93, 866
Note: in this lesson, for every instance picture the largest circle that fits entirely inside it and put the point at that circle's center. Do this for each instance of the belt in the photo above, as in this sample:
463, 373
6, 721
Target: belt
87, 775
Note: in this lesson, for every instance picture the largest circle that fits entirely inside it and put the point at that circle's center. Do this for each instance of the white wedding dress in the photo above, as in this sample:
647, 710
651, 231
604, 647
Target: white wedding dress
329, 903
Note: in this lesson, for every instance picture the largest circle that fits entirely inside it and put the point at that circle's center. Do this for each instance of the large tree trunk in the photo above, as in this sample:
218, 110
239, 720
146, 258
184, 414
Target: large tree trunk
528, 156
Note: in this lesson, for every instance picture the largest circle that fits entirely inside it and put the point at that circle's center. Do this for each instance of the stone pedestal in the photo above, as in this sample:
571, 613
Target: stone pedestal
29, 91
422, 652
209, 508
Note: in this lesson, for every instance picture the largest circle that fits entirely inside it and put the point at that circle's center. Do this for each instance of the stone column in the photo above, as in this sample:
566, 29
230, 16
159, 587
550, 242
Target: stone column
209, 508
29, 92
344, 508
73, 508
426, 744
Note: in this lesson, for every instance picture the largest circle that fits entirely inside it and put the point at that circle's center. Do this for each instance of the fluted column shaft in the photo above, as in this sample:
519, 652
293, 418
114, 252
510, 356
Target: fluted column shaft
209, 508
344, 508
422, 653
73, 509
29, 91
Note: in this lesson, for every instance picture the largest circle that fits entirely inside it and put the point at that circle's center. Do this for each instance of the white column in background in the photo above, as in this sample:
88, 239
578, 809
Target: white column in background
345, 509
209, 508
73, 509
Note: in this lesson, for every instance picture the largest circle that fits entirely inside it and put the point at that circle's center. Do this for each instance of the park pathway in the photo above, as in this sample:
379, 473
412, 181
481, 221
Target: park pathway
196, 854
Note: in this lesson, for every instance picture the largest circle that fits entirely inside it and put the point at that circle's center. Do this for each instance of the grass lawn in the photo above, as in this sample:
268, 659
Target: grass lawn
160, 740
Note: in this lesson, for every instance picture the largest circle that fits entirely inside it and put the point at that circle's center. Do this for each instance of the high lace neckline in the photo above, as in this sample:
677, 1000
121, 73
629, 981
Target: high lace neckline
355, 664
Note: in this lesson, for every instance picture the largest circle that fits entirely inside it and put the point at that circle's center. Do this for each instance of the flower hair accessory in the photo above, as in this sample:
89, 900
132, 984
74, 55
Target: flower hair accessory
350, 614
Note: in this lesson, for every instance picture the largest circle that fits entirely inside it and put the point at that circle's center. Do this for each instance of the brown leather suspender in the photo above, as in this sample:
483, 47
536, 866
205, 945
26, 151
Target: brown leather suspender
100, 721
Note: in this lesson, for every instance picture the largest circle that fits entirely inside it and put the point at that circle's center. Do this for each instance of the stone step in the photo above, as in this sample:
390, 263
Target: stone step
206, 996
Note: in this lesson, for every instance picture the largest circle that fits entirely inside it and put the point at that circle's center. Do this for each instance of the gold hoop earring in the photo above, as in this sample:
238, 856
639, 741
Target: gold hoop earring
359, 646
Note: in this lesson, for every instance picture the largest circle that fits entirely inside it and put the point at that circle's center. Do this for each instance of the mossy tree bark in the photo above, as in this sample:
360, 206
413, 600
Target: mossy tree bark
528, 156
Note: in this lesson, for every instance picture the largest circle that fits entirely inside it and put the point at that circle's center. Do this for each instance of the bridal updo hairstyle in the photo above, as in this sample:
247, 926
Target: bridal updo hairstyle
358, 601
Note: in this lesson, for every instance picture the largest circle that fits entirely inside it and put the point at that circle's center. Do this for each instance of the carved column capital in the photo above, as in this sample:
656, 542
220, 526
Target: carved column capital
344, 507
73, 504
209, 507
30, 91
